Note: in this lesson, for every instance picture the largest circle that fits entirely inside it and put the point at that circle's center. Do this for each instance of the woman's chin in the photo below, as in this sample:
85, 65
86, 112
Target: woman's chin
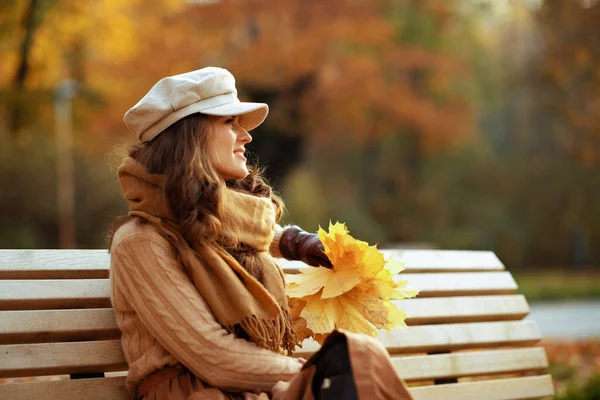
232, 175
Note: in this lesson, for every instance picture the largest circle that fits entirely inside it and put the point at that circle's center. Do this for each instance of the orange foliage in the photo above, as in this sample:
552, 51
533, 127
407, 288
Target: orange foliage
581, 357
569, 82
364, 82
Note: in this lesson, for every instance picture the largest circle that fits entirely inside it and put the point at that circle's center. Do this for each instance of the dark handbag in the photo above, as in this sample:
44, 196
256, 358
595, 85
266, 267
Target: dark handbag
333, 378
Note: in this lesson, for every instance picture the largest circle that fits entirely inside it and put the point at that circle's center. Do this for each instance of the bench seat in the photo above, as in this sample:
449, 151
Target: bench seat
466, 336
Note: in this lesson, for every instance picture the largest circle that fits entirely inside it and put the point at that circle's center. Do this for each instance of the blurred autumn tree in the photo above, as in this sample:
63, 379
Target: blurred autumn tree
566, 79
340, 76
370, 88
411, 120
566, 102
551, 139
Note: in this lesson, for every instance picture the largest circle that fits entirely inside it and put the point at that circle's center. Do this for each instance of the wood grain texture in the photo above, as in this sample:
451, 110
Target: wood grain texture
54, 294
69, 389
446, 260
437, 310
54, 264
456, 365
429, 261
94, 264
533, 387
106, 356
43, 326
113, 388
436, 338
95, 293
460, 283
61, 358
57, 325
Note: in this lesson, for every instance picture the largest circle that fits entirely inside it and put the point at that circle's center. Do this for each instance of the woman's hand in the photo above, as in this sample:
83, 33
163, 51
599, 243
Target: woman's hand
279, 390
296, 244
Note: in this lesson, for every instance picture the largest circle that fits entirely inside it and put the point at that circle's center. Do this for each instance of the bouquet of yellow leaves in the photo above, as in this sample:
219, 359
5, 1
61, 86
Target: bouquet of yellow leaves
355, 294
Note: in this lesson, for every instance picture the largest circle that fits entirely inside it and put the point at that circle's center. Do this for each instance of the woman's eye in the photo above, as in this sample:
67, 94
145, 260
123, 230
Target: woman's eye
230, 121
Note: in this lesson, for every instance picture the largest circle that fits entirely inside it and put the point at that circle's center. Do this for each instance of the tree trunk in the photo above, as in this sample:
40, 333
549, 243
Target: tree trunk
15, 106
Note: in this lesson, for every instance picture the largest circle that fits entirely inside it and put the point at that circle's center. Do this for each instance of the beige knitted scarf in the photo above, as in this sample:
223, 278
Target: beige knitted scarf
256, 310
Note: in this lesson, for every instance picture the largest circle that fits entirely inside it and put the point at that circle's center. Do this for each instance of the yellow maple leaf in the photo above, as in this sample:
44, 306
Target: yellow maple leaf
299, 323
308, 282
354, 294
389, 289
352, 260
329, 238
396, 316
393, 266
347, 314
318, 314
371, 307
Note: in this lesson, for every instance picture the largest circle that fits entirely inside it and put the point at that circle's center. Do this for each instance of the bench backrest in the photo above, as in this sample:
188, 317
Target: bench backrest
466, 337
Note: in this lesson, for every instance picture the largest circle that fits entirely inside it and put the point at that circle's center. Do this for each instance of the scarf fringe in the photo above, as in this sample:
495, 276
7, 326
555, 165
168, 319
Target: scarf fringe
277, 335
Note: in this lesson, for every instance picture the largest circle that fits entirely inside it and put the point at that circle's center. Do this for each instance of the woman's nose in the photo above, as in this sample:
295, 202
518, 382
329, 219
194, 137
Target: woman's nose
244, 136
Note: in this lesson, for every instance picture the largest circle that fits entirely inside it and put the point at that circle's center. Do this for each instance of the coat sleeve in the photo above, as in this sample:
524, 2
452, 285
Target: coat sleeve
173, 311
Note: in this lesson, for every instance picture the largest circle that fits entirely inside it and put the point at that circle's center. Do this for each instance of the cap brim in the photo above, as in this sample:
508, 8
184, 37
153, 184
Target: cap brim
251, 114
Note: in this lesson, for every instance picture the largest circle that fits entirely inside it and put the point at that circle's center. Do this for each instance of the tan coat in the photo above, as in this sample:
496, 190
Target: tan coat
165, 322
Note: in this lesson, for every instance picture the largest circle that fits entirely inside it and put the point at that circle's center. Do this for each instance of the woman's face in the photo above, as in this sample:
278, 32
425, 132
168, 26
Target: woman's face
226, 147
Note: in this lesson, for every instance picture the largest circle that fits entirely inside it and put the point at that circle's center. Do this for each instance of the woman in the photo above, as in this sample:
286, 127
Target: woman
198, 296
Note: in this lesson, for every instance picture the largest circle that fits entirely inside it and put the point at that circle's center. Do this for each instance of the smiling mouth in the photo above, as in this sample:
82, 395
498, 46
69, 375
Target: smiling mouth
240, 154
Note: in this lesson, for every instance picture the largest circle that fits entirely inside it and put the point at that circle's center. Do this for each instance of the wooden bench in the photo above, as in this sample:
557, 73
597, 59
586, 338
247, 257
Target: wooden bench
466, 337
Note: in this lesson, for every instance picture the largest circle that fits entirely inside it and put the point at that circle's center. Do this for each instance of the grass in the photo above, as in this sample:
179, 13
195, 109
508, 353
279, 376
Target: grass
558, 285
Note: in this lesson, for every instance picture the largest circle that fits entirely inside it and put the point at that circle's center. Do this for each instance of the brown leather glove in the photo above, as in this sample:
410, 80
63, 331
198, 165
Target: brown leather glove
296, 244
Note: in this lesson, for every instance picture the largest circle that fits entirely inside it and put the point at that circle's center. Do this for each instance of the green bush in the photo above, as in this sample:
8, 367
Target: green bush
547, 284
28, 198
590, 390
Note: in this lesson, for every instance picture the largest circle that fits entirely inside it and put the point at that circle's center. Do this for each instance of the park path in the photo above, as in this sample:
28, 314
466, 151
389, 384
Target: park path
567, 320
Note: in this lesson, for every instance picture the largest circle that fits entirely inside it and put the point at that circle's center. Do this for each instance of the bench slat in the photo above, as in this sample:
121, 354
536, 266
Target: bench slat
57, 326
54, 264
94, 264
58, 358
68, 389
54, 294
456, 365
464, 309
460, 283
43, 326
61, 358
429, 261
436, 338
105, 356
532, 387
486, 362
446, 260
114, 389
431, 338
95, 293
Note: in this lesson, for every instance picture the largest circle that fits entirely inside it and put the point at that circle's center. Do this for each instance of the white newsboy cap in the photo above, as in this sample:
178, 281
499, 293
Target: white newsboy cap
209, 90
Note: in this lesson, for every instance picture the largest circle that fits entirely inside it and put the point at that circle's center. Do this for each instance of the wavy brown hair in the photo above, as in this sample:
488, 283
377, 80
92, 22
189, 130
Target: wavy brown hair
192, 186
